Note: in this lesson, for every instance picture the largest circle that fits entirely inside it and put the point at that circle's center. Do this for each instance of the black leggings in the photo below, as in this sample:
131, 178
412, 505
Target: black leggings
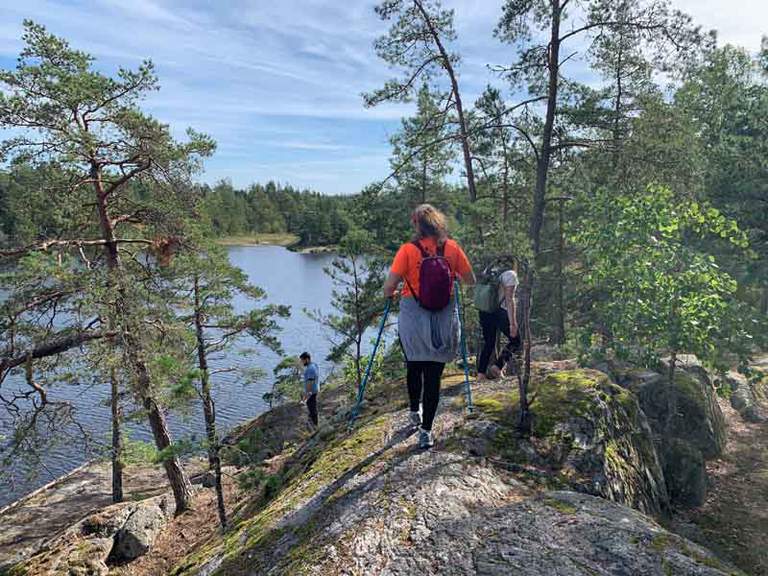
490, 322
425, 376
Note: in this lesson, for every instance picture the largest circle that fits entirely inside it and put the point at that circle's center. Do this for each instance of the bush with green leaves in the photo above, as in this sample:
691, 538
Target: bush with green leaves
652, 287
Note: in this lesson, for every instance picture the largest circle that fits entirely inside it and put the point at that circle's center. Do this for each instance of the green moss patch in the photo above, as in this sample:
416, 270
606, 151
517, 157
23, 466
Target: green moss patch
497, 407
560, 506
314, 469
563, 395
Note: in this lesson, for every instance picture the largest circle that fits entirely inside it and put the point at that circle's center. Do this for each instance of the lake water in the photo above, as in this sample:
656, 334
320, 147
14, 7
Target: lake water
289, 278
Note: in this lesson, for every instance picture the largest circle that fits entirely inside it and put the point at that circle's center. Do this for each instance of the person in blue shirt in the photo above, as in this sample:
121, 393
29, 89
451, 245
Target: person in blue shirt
311, 385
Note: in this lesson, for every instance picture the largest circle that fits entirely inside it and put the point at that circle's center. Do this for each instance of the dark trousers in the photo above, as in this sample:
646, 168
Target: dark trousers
312, 407
491, 322
424, 386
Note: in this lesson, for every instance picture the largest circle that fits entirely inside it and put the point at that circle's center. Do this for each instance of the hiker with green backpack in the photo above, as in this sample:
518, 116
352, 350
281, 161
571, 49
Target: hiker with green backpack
496, 302
428, 324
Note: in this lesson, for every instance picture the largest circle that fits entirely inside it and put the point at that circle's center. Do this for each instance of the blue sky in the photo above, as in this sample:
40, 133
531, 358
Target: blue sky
278, 84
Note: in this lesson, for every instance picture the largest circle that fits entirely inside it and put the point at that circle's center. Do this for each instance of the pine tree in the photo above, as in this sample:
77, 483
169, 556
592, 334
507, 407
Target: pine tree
90, 124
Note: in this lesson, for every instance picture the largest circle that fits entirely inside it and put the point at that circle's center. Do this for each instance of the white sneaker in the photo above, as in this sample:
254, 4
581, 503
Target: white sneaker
426, 439
415, 418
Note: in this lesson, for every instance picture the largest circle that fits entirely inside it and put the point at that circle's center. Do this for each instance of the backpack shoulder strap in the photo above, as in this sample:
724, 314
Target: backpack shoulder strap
413, 292
405, 278
424, 253
441, 249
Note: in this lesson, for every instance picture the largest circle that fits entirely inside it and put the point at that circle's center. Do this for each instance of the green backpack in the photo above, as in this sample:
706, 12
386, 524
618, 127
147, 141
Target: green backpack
486, 294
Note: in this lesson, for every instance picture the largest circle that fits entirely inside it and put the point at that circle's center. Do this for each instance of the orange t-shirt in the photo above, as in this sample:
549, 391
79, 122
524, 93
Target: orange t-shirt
407, 262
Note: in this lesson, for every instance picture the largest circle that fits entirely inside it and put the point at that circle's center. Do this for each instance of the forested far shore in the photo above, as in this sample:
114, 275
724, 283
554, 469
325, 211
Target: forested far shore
269, 213
262, 209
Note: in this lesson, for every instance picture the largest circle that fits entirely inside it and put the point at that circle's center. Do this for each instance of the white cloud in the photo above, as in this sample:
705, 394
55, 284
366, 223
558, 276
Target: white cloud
278, 83
740, 22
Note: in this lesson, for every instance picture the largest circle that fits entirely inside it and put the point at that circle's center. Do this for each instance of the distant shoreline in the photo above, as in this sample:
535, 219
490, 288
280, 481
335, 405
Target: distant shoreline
284, 240
330, 249
289, 241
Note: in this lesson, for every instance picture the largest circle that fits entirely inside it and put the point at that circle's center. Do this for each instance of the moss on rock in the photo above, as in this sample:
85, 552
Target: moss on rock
285, 521
701, 421
589, 432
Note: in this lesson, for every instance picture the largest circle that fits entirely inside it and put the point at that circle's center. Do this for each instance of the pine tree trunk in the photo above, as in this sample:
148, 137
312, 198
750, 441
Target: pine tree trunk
177, 478
209, 410
539, 200
214, 459
524, 379
505, 185
117, 439
542, 166
617, 110
669, 425
463, 130
559, 338
358, 365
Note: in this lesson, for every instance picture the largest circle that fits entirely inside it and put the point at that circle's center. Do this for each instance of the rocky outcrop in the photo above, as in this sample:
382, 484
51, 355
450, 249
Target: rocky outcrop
699, 419
747, 396
114, 535
698, 431
589, 433
685, 473
577, 497
369, 502
32, 522
139, 531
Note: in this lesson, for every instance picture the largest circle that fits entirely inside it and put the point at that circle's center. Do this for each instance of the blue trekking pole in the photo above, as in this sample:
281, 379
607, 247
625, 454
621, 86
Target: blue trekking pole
467, 387
361, 391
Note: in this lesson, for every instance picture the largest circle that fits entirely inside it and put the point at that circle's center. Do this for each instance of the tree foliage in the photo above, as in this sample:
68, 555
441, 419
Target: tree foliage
652, 290
92, 281
357, 277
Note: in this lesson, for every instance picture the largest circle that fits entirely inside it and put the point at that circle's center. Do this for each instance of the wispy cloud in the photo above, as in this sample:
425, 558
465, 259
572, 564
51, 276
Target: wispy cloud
278, 84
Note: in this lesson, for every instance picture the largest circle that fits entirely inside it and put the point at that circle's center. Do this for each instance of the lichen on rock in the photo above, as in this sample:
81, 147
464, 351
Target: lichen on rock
590, 432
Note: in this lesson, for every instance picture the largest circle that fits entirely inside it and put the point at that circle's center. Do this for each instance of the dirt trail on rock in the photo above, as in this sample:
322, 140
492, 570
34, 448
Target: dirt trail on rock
733, 522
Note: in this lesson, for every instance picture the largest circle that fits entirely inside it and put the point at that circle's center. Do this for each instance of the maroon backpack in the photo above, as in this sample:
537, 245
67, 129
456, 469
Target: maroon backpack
435, 279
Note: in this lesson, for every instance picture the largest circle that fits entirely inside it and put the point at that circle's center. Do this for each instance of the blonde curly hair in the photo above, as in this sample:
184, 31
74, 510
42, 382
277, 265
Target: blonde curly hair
430, 223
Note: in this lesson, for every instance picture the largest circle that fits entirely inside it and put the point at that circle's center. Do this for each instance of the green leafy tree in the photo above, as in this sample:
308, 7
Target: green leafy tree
725, 97
541, 31
67, 113
652, 290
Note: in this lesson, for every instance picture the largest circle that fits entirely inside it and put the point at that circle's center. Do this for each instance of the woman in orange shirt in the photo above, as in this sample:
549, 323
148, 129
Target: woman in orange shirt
429, 337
